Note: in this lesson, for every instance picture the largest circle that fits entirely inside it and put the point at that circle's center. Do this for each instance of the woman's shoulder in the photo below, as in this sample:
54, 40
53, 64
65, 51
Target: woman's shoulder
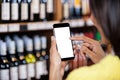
107, 69
110, 59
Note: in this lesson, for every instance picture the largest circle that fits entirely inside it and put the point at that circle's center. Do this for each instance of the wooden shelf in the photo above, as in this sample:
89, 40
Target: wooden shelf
32, 26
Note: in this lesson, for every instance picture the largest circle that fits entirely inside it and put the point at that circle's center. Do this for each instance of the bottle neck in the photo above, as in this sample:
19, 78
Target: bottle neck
13, 57
21, 56
4, 58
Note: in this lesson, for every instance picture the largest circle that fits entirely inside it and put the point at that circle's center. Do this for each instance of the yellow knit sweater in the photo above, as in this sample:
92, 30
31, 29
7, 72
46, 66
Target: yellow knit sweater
106, 69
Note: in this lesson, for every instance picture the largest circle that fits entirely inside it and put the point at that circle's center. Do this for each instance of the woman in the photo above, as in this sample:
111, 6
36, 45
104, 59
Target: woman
105, 14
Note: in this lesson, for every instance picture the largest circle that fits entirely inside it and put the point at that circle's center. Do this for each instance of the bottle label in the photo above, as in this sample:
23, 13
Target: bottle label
23, 72
4, 74
24, 11
31, 70
45, 72
66, 10
50, 6
5, 13
77, 3
31, 12
14, 73
85, 7
14, 13
35, 6
42, 11
20, 49
39, 69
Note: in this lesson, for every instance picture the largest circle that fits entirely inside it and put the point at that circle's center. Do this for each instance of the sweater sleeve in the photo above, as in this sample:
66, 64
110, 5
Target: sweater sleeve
106, 69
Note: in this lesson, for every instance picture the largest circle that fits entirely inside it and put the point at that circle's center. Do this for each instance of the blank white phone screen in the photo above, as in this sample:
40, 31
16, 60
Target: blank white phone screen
64, 44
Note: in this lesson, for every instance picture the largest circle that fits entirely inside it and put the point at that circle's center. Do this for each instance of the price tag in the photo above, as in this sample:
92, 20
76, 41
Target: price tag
81, 23
41, 25
49, 25
3, 28
89, 22
32, 26
74, 23
13, 27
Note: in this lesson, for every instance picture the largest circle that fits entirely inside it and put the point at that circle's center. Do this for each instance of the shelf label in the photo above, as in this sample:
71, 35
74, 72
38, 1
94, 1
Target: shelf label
3, 28
74, 23
89, 22
41, 25
49, 25
81, 23
13, 27
32, 26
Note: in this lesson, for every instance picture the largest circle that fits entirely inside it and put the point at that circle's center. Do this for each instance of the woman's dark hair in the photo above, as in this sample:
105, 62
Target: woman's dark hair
107, 14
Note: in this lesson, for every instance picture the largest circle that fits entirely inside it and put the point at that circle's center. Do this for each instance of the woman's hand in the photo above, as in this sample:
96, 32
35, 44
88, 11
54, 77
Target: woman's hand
91, 47
56, 65
80, 59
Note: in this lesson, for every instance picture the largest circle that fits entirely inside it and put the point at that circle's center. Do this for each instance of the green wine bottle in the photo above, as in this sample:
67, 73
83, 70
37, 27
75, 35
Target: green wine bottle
30, 58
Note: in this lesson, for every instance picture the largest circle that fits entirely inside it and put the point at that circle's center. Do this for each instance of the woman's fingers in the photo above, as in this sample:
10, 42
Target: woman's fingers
88, 52
84, 38
84, 58
54, 55
53, 42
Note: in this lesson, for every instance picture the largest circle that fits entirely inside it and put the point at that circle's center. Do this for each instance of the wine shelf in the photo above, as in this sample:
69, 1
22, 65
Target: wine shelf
32, 26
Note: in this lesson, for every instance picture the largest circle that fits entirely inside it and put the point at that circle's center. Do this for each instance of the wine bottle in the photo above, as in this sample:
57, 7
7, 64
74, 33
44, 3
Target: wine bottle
50, 10
24, 10
19, 10
13, 61
4, 64
78, 8
14, 10
29, 9
35, 10
44, 47
71, 9
22, 62
39, 63
0, 9
30, 58
85, 7
5, 11
44, 55
43, 10
65, 10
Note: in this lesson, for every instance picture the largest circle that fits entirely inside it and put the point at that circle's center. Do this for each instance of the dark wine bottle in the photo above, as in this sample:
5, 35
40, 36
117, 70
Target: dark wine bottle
29, 9
5, 11
14, 11
44, 58
39, 64
30, 58
22, 69
0, 9
65, 10
4, 64
71, 9
35, 10
43, 10
19, 10
50, 10
24, 11
13, 61
44, 47
77, 8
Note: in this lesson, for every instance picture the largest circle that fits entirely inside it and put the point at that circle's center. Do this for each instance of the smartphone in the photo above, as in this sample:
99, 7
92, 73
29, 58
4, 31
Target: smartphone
64, 44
